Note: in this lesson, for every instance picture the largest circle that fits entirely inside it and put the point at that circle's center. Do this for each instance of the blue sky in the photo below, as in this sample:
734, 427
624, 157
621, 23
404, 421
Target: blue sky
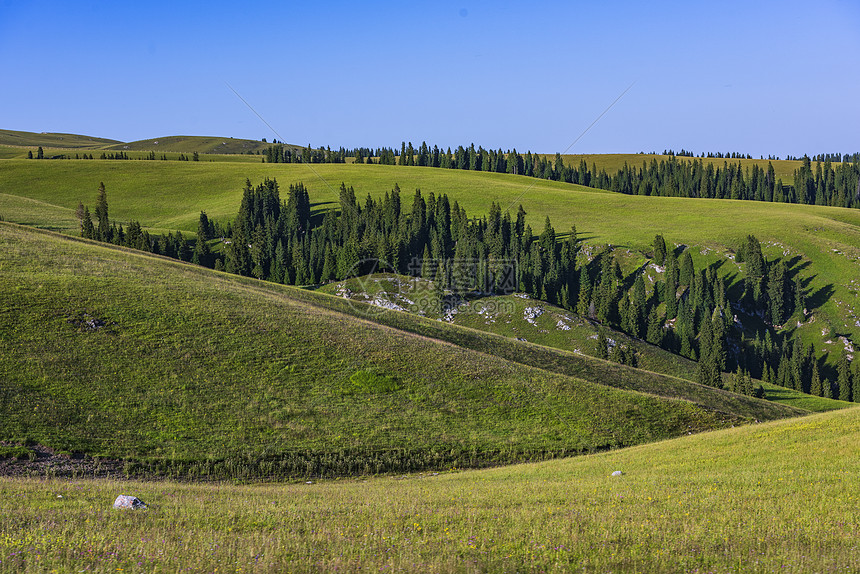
760, 78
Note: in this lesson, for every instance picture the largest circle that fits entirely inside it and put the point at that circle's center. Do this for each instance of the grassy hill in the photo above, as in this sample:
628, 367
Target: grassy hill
515, 317
55, 140
189, 144
180, 369
612, 162
822, 243
776, 497
58, 143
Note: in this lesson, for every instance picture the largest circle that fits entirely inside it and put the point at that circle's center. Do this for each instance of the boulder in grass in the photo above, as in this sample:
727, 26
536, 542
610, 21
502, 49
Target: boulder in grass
617, 473
125, 501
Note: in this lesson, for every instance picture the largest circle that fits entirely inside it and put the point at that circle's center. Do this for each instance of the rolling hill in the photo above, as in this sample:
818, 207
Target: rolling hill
179, 369
821, 243
55, 140
524, 319
55, 143
189, 144
776, 497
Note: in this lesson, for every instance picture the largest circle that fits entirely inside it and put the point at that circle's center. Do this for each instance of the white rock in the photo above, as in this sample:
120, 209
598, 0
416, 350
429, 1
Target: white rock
617, 473
126, 501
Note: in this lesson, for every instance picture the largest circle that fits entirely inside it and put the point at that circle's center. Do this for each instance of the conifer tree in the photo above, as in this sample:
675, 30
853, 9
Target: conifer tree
799, 296
659, 250
671, 293
204, 227
654, 334
637, 303
846, 392
816, 386
602, 345
103, 230
87, 229
582, 305
687, 271
776, 293
202, 253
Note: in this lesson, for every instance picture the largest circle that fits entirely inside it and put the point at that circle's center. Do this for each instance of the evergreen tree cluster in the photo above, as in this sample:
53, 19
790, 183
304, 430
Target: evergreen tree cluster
282, 241
280, 153
688, 311
117, 155
825, 185
173, 245
673, 178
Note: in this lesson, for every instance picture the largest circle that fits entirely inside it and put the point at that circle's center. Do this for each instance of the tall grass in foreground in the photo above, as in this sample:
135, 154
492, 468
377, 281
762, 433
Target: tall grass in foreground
778, 497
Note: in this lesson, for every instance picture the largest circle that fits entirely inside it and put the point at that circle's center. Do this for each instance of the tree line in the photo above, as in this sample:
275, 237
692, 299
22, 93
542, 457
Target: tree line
686, 310
822, 184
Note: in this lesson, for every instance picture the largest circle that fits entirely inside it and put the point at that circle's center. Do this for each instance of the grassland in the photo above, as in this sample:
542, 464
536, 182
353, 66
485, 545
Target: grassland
513, 317
57, 143
189, 144
777, 497
57, 140
179, 369
823, 243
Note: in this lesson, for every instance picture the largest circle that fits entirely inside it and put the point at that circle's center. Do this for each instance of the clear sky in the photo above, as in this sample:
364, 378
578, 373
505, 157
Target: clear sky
755, 77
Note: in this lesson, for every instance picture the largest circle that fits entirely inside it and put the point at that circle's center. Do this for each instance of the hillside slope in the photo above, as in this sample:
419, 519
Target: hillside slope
525, 319
55, 140
822, 243
182, 369
776, 497
189, 144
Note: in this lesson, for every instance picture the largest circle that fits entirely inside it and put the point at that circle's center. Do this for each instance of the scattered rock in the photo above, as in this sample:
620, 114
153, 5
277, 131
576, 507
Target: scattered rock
532, 313
386, 304
126, 501
86, 322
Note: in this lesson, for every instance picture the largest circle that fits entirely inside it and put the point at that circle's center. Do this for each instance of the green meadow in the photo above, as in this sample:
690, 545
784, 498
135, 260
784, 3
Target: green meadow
775, 497
271, 428
556, 328
55, 140
180, 370
823, 243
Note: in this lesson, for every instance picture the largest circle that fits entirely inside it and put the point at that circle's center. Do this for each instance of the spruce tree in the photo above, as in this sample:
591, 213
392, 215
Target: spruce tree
204, 227
816, 386
799, 296
637, 302
659, 250
670, 292
844, 379
654, 335
202, 253
602, 345
103, 229
87, 229
776, 292
584, 300
687, 270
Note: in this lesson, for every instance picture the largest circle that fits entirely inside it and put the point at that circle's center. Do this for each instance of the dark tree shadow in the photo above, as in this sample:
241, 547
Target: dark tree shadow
820, 297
